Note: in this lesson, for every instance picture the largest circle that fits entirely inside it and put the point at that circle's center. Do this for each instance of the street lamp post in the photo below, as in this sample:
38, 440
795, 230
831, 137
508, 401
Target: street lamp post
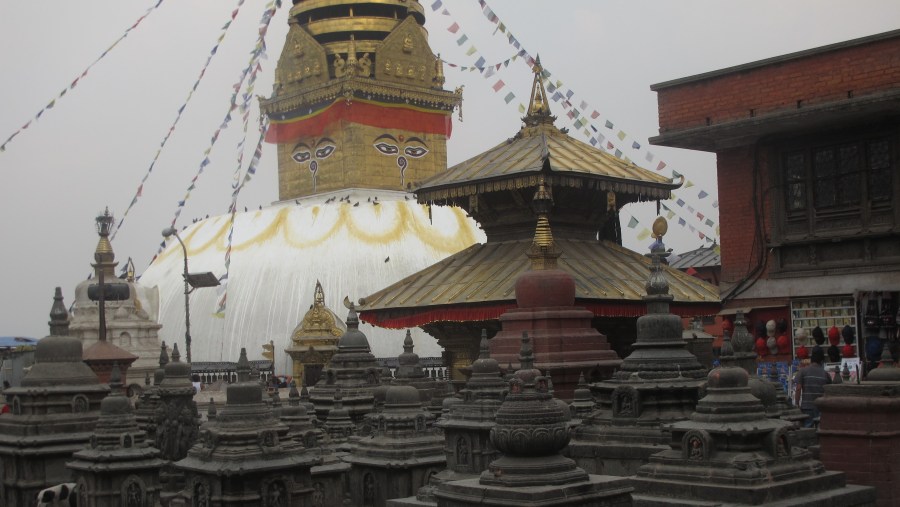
191, 282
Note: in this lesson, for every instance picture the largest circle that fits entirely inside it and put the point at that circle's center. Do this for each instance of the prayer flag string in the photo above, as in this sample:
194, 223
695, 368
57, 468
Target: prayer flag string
181, 109
75, 81
251, 70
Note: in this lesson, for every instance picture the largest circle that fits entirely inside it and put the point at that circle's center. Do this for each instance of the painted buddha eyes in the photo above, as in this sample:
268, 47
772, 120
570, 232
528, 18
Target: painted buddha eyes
324, 151
303, 152
416, 151
387, 149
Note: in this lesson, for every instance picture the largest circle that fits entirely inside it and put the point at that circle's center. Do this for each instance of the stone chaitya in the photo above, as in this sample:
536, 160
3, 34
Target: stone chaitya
531, 429
731, 452
404, 451
177, 419
657, 384
52, 414
353, 370
177, 422
562, 335
119, 467
467, 420
145, 407
246, 456
739, 352
410, 372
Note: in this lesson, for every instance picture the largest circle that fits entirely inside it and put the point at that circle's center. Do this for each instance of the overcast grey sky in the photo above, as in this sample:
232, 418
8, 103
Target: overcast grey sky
94, 147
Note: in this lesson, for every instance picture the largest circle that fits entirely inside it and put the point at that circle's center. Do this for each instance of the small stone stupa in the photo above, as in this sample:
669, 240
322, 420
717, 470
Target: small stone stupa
120, 330
52, 414
401, 455
531, 429
564, 340
145, 408
245, 456
314, 340
119, 467
657, 384
731, 453
410, 372
353, 370
466, 421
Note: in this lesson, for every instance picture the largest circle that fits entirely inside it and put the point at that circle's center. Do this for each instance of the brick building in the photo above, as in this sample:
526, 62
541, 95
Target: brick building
807, 148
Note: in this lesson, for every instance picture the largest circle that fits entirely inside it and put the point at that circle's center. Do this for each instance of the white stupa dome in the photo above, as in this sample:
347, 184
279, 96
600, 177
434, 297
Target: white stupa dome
353, 248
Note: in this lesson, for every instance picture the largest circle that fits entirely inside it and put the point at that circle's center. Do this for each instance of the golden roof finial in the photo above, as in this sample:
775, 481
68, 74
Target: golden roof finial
660, 228
543, 252
539, 105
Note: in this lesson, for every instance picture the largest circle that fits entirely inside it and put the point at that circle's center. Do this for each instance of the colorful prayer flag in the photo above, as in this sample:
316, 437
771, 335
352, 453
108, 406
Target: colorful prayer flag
632, 223
498, 85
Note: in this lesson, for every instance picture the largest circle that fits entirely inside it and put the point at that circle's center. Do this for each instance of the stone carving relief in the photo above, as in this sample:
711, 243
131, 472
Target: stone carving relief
626, 402
80, 404
696, 445
275, 494
200, 498
462, 451
318, 496
133, 493
368, 490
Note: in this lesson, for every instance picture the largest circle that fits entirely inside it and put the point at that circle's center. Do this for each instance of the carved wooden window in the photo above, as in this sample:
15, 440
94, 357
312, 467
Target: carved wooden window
827, 187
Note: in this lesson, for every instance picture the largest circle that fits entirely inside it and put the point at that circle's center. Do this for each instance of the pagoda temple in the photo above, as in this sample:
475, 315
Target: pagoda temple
455, 298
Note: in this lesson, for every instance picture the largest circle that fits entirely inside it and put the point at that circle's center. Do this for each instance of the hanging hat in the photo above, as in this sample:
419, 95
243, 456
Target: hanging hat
801, 336
888, 319
782, 326
760, 328
848, 351
818, 335
784, 344
871, 319
834, 354
834, 335
849, 335
802, 352
761, 348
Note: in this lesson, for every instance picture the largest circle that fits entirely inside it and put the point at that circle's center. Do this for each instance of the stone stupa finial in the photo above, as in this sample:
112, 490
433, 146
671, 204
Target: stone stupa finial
59, 317
243, 366
657, 285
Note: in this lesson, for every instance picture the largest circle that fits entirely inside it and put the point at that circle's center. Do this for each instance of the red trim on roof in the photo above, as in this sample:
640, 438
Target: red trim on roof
415, 317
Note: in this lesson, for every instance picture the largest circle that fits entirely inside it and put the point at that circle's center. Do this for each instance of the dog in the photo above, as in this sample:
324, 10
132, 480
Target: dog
61, 495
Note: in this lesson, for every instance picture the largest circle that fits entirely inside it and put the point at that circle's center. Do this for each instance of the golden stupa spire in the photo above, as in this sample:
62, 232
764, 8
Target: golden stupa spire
543, 252
539, 105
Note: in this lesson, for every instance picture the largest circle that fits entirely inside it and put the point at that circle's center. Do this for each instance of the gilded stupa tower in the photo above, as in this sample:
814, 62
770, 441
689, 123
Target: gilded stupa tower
358, 100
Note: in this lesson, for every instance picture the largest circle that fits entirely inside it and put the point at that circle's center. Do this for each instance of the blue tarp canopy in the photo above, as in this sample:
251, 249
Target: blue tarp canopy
7, 342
